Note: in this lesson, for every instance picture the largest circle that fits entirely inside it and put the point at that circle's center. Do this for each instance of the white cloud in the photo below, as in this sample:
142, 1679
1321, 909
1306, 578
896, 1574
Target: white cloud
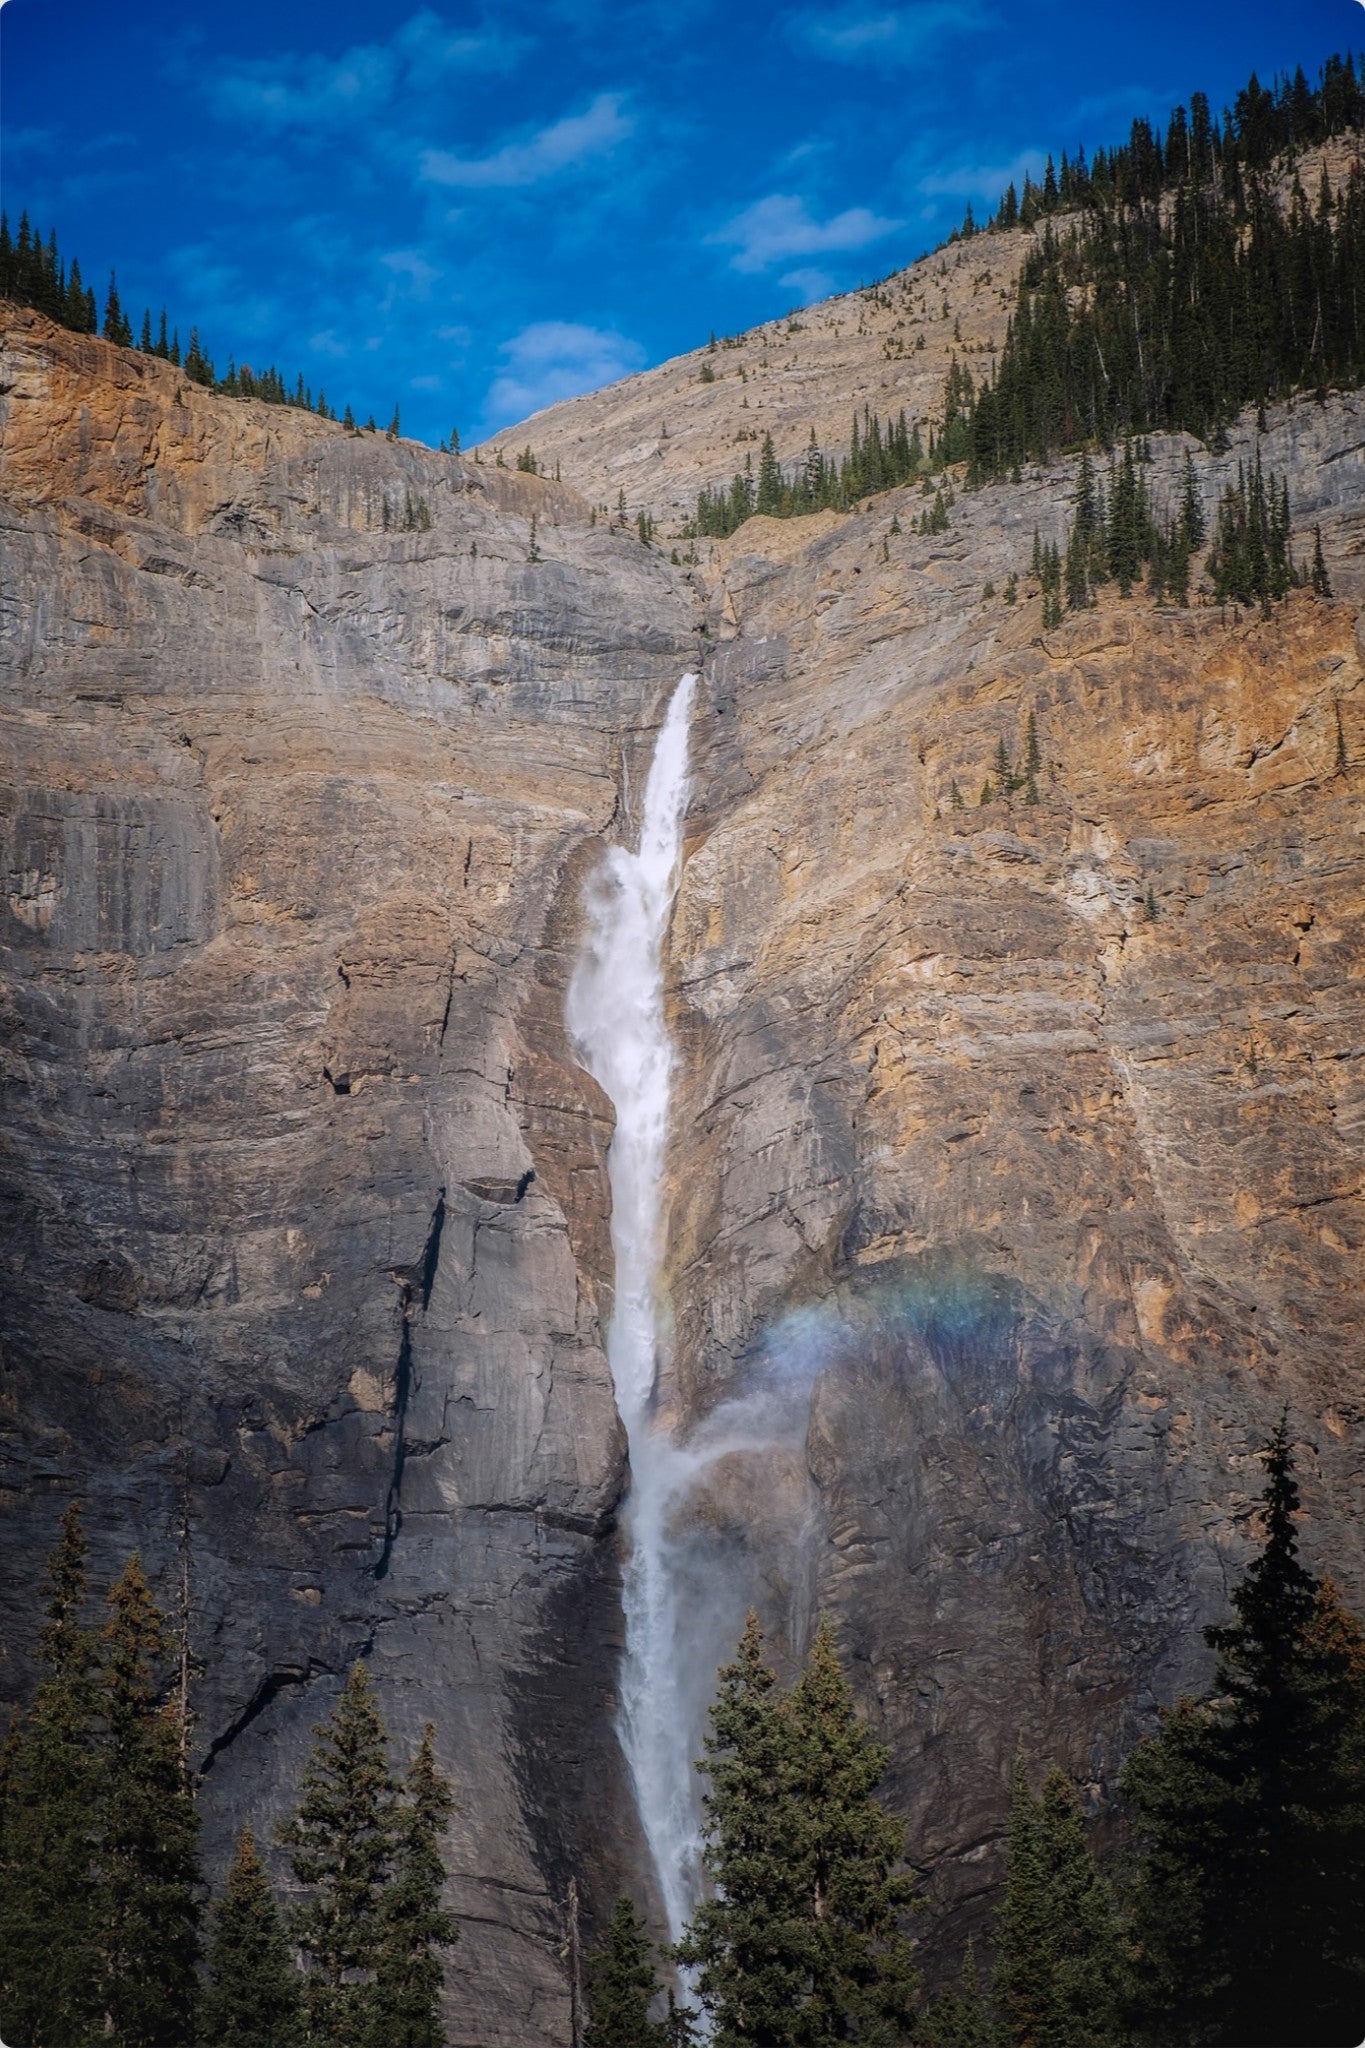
555, 359
780, 226
984, 181
893, 35
411, 268
430, 46
308, 90
809, 283
562, 146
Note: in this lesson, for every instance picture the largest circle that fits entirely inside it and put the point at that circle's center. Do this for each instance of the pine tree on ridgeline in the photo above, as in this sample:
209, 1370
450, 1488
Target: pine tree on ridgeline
253, 1998
405, 2004
49, 1798
1249, 1807
342, 1841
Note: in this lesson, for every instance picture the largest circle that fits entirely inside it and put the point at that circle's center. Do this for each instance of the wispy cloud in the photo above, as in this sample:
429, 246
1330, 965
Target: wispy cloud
564, 145
307, 90
775, 229
983, 181
554, 359
892, 35
808, 283
410, 269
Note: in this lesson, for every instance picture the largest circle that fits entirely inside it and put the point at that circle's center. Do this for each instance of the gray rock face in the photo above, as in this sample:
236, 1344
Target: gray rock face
1046, 1206
292, 805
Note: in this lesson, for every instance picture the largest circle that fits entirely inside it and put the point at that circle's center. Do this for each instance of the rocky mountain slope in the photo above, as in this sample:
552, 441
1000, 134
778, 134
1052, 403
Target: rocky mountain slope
1024, 1138
659, 436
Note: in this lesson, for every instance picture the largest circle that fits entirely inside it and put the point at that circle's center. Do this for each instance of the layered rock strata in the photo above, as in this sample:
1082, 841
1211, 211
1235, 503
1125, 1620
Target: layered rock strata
1024, 1137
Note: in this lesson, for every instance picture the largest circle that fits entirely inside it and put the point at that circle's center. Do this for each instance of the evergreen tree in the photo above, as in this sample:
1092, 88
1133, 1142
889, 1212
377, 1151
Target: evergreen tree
49, 1789
116, 325
961, 2017
746, 1940
1250, 1807
770, 491
1060, 1973
341, 1842
1322, 586
148, 1901
801, 1942
413, 1928
854, 1893
252, 2000
623, 1985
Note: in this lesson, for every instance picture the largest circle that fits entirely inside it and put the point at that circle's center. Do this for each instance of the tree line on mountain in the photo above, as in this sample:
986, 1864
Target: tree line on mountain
1230, 1921
34, 273
1117, 535
1178, 291
104, 1938
1229, 1918
1182, 290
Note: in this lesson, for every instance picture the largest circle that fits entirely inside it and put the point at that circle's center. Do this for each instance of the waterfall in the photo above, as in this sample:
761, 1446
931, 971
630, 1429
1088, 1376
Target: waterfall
616, 1019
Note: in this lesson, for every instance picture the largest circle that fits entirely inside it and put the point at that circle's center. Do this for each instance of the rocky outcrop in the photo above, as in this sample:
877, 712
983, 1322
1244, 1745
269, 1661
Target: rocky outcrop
1023, 1138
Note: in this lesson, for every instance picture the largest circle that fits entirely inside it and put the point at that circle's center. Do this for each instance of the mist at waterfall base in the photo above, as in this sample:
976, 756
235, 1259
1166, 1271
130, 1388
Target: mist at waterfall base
686, 1586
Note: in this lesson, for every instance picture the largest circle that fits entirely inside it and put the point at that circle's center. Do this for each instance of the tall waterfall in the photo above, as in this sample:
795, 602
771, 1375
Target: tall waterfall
616, 1019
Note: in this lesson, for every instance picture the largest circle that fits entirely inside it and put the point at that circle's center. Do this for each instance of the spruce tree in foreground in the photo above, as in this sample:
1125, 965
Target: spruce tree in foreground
48, 1800
252, 1999
1060, 1975
1250, 1805
623, 1985
341, 1843
746, 1941
960, 2017
801, 1942
409, 1973
148, 1898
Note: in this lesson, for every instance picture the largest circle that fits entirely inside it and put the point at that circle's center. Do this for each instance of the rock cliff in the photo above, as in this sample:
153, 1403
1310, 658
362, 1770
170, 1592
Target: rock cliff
1026, 1138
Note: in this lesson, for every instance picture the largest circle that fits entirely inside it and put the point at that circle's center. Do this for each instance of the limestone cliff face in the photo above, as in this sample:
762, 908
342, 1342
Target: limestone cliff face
292, 802
1040, 1125
1050, 1202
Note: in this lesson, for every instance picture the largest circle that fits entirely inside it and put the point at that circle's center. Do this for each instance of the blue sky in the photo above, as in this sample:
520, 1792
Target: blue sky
474, 211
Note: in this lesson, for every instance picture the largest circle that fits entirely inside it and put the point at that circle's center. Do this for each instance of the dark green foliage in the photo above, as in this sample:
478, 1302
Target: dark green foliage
1185, 290
252, 1999
526, 462
32, 274
1321, 582
879, 458
961, 2018
116, 326
802, 1941
623, 1985
148, 1902
342, 1841
1250, 1814
1249, 561
1061, 1968
405, 2004
49, 1793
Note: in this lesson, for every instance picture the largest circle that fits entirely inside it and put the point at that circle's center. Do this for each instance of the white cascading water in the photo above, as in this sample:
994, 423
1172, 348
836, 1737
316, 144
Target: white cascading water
616, 1019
